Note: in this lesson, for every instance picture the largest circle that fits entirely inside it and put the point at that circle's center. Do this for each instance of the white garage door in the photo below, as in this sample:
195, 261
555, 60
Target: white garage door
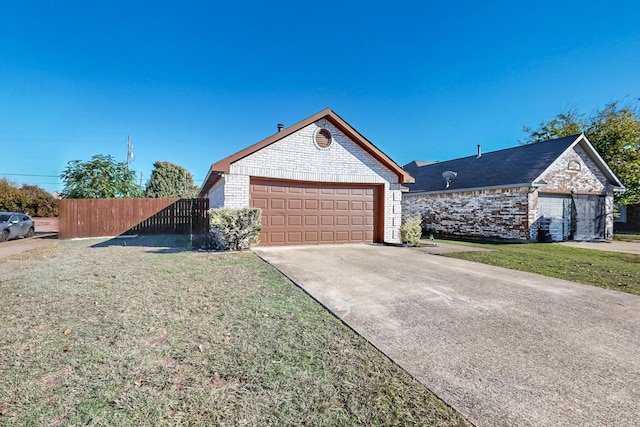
556, 211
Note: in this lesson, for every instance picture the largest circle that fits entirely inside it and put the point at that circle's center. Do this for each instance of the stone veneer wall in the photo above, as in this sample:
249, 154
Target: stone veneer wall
296, 157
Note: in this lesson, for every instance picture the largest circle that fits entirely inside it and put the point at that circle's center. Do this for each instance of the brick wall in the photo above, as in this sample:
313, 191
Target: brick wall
216, 194
487, 214
296, 157
510, 214
574, 172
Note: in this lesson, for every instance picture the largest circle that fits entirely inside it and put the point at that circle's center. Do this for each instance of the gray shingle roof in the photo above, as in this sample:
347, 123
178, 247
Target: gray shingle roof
517, 165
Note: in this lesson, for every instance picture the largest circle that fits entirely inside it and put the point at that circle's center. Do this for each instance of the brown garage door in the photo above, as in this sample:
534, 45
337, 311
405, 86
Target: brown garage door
311, 213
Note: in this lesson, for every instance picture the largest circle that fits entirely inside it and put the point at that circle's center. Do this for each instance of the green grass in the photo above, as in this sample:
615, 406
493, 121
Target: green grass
627, 237
613, 270
94, 334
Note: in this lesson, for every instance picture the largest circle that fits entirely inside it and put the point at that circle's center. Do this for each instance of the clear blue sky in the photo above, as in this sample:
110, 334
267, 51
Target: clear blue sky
193, 82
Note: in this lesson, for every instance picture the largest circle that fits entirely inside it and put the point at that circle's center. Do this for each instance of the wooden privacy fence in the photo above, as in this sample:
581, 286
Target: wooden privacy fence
116, 217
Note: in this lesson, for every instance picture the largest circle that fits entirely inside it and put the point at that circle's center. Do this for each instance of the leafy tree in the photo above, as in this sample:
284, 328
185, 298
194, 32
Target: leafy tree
102, 177
11, 198
30, 199
564, 124
614, 132
41, 203
169, 180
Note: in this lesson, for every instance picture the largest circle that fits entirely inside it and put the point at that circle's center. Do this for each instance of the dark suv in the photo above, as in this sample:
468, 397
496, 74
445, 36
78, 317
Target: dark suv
14, 224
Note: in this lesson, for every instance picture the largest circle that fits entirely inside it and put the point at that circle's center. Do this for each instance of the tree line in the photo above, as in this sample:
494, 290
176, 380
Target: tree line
29, 199
614, 131
103, 177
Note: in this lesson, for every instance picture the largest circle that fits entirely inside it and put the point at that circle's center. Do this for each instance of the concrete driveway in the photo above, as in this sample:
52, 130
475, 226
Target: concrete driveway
504, 348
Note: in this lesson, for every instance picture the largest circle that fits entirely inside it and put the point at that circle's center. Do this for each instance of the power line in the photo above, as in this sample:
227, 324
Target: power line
27, 174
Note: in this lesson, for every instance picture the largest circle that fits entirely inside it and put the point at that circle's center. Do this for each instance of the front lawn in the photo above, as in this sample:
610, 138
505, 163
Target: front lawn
627, 237
613, 270
138, 335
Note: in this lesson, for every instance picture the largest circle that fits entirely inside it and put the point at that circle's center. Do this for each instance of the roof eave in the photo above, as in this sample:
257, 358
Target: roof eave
593, 153
467, 189
209, 181
224, 165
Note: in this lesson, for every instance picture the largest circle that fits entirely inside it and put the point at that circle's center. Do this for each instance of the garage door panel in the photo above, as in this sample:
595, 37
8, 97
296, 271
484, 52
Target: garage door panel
342, 205
294, 204
342, 236
311, 237
276, 203
276, 237
342, 220
260, 203
312, 213
327, 237
294, 237
327, 205
294, 220
311, 220
276, 220
326, 220
357, 235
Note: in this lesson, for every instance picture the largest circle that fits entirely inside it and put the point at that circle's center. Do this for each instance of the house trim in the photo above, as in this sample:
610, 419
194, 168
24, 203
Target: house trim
471, 189
584, 143
224, 166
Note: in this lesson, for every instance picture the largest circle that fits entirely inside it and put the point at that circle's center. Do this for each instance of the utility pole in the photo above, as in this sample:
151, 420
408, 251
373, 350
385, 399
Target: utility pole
129, 151
140, 178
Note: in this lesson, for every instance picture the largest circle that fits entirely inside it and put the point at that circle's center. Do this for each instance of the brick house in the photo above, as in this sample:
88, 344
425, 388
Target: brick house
318, 181
561, 187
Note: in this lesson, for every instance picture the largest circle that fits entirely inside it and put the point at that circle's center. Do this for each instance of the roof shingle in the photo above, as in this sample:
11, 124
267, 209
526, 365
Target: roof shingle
517, 165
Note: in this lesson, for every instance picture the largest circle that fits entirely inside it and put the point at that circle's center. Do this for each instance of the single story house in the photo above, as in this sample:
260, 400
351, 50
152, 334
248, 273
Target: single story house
318, 181
558, 190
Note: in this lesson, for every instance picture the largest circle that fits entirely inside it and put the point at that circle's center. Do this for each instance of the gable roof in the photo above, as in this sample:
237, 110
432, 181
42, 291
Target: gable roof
512, 167
224, 166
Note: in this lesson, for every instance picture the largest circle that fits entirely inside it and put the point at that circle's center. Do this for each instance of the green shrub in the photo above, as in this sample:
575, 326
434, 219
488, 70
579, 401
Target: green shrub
411, 231
234, 229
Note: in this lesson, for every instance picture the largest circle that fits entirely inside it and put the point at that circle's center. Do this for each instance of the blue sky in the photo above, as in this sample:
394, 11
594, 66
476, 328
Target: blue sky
193, 82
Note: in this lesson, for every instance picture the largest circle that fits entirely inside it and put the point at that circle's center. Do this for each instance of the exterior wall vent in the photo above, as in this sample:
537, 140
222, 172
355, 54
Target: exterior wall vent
322, 138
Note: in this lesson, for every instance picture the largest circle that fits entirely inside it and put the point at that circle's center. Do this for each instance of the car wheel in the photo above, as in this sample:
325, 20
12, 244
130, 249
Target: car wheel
4, 236
31, 232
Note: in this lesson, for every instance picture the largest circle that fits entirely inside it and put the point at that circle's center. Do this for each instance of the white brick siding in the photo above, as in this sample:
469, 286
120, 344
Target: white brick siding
216, 194
296, 157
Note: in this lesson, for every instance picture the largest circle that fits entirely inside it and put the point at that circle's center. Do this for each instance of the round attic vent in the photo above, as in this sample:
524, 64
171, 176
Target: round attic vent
322, 138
